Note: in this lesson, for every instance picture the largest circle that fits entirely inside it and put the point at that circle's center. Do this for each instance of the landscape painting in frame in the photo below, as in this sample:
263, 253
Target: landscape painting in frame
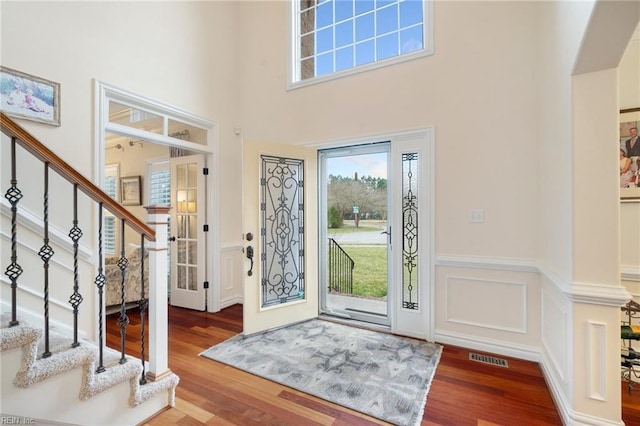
29, 97
629, 161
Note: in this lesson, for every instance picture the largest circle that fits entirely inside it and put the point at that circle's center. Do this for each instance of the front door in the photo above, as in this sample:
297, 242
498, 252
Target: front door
280, 233
188, 268
376, 209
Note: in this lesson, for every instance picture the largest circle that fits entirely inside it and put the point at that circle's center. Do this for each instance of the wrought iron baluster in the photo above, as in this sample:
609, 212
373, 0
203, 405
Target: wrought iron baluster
123, 320
76, 299
143, 308
340, 269
331, 266
46, 252
14, 270
100, 282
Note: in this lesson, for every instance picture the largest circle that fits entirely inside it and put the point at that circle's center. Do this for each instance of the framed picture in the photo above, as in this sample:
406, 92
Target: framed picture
29, 97
131, 190
629, 154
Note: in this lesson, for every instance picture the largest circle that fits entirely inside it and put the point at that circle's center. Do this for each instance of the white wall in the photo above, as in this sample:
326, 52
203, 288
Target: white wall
560, 26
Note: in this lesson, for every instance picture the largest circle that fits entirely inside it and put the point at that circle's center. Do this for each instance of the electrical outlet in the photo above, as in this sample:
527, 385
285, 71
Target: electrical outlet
476, 216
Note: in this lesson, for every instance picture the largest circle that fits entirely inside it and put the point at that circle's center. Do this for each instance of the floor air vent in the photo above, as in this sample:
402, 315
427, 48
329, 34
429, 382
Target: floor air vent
489, 360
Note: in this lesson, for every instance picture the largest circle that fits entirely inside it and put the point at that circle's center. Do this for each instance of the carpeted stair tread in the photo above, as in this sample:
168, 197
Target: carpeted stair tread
35, 368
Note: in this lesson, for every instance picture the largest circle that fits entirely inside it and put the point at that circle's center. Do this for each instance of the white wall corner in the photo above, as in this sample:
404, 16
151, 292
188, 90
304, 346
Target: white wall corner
555, 385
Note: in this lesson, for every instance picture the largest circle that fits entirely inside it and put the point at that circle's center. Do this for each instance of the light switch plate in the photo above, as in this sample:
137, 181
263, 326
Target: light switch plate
476, 216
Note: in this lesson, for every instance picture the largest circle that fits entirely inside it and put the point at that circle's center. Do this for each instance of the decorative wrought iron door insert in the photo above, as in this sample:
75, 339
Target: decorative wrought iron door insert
282, 230
410, 230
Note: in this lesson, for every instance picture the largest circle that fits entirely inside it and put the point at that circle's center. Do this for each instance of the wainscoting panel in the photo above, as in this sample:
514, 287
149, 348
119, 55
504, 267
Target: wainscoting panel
597, 368
231, 264
497, 305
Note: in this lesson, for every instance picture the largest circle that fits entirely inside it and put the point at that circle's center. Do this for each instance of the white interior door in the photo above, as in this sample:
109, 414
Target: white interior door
280, 232
188, 239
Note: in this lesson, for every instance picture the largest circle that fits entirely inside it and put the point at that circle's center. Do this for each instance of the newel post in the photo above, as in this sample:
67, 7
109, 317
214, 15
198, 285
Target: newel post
158, 219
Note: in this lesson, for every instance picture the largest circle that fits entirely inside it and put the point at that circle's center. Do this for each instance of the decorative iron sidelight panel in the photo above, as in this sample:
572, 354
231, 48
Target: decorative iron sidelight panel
410, 231
282, 230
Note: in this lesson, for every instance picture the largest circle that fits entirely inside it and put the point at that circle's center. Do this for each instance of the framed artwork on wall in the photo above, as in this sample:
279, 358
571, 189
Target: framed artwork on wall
629, 154
131, 190
27, 96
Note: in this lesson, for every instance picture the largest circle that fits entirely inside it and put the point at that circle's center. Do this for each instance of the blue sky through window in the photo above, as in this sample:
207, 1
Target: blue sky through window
374, 165
351, 33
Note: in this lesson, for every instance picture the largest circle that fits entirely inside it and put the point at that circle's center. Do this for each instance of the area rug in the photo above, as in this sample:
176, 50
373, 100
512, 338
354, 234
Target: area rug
379, 374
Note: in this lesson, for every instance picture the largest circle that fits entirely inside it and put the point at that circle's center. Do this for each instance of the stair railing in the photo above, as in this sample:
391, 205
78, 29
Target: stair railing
157, 361
340, 269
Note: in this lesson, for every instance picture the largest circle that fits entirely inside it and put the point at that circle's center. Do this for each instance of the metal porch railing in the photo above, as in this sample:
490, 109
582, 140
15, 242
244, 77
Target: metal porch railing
340, 269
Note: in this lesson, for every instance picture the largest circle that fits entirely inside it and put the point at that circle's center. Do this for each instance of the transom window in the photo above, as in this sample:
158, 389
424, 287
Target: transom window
335, 36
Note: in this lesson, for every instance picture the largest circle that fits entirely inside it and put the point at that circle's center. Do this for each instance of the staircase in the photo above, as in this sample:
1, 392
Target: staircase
55, 365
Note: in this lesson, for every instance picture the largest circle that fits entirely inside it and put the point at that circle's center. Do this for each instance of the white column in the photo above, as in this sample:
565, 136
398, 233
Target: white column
157, 219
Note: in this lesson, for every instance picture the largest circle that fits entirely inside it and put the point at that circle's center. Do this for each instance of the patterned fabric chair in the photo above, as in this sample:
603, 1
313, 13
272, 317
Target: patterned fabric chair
132, 282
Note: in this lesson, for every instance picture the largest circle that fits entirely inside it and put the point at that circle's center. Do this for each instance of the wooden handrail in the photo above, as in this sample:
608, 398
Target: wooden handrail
37, 149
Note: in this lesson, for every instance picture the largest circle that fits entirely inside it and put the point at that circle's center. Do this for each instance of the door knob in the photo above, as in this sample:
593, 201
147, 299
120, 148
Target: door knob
172, 238
250, 257
388, 234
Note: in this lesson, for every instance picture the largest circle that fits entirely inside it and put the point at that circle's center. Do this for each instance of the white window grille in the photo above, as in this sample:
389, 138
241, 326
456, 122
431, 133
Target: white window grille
111, 176
340, 36
159, 178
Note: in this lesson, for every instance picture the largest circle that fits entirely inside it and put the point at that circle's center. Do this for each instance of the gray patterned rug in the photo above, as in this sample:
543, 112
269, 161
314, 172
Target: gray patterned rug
379, 374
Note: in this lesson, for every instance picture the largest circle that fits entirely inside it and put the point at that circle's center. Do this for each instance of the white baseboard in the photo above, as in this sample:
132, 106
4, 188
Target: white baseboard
231, 301
510, 349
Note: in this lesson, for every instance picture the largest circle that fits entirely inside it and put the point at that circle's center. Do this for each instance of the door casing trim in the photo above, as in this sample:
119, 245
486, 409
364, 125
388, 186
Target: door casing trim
103, 93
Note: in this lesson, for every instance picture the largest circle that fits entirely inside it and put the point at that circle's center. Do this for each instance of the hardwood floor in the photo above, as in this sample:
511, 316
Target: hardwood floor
463, 392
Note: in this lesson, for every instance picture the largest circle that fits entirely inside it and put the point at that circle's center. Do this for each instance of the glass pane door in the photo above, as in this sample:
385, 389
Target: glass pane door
188, 243
355, 234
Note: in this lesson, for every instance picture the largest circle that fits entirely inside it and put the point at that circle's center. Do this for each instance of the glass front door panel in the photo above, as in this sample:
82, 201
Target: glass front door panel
357, 234
410, 231
282, 230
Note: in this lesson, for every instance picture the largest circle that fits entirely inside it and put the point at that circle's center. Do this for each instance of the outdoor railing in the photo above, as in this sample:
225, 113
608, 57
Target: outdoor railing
340, 269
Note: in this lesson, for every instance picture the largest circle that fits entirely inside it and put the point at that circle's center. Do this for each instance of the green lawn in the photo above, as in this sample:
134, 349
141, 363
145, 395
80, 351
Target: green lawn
370, 271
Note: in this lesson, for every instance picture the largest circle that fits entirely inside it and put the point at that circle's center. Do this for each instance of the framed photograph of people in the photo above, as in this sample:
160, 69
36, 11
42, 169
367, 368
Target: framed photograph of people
629, 154
131, 190
29, 97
